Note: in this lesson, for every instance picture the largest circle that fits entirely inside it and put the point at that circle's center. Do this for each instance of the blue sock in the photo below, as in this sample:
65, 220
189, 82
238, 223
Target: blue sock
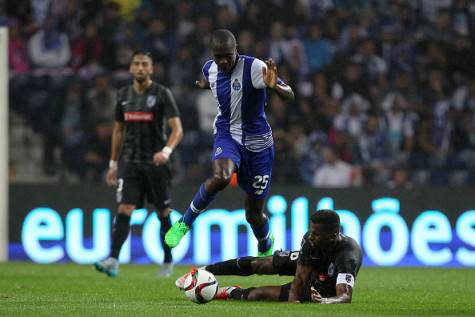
262, 235
201, 200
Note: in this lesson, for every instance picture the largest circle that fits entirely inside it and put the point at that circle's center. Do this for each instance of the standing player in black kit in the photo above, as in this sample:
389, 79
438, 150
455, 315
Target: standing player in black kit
143, 112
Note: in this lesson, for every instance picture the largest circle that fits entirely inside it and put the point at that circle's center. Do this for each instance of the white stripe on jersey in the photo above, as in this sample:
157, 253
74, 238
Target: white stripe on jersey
235, 122
213, 77
255, 134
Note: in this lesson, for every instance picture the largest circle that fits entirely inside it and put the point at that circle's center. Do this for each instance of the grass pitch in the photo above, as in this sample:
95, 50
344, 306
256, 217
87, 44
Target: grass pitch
73, 290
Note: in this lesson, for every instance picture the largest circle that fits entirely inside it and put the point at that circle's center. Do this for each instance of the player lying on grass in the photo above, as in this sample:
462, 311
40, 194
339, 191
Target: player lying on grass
324, 269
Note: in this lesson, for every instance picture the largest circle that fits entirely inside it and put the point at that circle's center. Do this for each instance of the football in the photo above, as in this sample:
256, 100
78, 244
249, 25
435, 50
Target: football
200, 286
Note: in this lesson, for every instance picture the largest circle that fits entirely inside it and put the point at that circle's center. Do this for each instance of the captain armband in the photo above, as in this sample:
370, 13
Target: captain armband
345, 278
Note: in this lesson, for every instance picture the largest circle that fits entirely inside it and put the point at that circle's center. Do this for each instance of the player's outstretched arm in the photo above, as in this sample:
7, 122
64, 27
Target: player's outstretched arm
343, 295
270, 78
202, 83
301, 279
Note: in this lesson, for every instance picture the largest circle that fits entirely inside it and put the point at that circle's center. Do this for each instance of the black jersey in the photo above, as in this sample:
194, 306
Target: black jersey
145, 117
345, 257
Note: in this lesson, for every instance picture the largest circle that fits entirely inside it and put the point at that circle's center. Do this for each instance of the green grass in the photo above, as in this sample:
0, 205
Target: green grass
72, 290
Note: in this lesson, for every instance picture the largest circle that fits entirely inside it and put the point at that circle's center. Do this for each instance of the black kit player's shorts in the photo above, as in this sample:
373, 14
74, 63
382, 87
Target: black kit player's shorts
285, 262
142, 180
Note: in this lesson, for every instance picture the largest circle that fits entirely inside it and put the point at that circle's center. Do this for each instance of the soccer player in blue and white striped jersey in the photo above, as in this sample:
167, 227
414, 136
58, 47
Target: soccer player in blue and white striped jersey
242, 136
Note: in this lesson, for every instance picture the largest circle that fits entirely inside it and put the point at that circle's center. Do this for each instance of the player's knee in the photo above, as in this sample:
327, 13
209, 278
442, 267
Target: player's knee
256, 294
126, 209
262, 265
221, 180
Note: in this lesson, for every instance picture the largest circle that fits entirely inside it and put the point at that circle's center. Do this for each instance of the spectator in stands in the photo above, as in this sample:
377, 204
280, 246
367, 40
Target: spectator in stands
87, 48
318, 50
400, 178
399, 124
73, 130
334, 172
49, 47
100, 102
373, 150
97, 152
17, 53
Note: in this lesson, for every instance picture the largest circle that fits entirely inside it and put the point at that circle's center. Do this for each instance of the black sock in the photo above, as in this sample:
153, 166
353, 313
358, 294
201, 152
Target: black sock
120, 231
240, 266
164, 227
241, 293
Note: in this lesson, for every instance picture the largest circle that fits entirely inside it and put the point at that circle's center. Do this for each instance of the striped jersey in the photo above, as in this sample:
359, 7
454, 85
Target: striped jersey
241, 98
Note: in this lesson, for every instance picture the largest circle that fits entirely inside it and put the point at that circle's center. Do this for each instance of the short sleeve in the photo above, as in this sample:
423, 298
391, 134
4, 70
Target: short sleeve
349, 260
256, 73
206, 68
170, 106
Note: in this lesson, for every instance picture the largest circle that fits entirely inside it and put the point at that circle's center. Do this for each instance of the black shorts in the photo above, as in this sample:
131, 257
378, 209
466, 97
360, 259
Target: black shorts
138, 181
285, 262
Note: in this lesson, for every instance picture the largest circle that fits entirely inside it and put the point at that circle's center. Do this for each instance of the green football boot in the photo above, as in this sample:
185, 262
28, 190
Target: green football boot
269, 251
176, 233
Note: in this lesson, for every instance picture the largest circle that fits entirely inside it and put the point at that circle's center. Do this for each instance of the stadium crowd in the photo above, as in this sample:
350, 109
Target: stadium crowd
385, 89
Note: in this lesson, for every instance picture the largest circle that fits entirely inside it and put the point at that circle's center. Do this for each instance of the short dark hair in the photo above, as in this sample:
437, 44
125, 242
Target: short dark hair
325, 217
141, 52
222, 37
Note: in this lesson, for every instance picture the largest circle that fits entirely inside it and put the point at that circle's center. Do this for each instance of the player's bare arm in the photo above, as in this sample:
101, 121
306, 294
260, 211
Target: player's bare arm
175, 137
343, 295
301, 278
117, 140
270, 79
202, 83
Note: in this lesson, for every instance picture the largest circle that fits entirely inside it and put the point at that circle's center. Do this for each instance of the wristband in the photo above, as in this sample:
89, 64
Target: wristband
113, 164
167, 150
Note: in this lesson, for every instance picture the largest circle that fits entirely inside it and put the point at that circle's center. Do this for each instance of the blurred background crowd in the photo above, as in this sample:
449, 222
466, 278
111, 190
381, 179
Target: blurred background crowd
385, 90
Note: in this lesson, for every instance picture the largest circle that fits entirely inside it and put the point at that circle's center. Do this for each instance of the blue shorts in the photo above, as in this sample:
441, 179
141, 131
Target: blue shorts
254, 168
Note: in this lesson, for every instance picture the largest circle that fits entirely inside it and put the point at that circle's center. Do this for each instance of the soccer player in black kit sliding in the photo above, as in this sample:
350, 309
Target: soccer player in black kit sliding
324, 269
144, 110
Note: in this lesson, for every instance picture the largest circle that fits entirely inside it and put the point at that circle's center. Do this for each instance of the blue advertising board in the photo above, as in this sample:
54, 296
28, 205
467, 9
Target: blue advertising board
418, 227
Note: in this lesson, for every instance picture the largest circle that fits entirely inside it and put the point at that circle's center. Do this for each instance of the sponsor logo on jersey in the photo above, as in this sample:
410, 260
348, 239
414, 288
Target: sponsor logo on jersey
125, 103
236, 84
322, 277
138, 116
151, 101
